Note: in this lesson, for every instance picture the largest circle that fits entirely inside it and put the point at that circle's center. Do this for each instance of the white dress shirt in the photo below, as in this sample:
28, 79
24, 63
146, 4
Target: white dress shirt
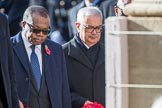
29, 50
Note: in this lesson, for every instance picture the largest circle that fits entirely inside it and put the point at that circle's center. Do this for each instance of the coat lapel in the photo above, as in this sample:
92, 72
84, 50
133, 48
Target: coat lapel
20, 51
50, 71
101, 56
77, 53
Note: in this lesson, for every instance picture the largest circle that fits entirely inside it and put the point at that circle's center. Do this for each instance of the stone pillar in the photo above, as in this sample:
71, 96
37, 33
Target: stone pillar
134, 55
116, 63
144, 8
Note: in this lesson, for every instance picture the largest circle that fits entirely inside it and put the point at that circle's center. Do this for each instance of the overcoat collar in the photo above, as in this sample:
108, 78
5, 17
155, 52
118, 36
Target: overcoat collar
77, 53
20, 51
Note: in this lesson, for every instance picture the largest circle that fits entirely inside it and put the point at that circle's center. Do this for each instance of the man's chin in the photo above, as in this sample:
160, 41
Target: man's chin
37, 43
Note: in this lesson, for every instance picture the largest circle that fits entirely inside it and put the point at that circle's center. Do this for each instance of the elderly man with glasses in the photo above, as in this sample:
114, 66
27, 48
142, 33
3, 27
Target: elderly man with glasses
85, 59
39, 63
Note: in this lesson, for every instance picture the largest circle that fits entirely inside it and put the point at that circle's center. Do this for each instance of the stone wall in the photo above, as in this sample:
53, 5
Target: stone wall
136, 45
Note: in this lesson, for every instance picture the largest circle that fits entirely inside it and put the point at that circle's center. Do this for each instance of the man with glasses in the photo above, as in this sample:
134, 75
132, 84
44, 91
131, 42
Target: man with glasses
72, 14
85, 59
39, 63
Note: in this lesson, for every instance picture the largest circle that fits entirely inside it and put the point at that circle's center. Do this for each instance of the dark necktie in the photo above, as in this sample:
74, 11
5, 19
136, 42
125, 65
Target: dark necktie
36, 67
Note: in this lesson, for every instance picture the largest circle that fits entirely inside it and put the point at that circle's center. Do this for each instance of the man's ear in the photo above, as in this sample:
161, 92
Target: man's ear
23, 23
116, 10
77, 25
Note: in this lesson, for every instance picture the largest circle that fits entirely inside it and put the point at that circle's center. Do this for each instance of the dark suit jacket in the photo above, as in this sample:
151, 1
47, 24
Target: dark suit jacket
107, 8
72, 16
5, 4
54, 70
6, 69
15, 10
86, 81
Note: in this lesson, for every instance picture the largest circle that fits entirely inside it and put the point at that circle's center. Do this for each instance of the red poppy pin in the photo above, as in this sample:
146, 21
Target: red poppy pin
48, 51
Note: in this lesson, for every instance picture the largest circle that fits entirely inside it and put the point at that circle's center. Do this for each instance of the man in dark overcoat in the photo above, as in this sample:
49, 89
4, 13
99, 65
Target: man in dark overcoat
8, 93
39, 63
85, 59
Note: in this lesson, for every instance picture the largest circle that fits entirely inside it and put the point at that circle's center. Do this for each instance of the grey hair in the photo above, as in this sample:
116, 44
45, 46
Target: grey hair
40, 10
88, 11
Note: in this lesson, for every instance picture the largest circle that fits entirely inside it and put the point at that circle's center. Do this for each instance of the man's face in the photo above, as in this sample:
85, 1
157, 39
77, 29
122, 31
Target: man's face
36, 31
90, 30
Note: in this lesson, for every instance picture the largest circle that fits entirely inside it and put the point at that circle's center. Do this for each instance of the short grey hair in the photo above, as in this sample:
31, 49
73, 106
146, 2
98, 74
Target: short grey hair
40, 10
88, 11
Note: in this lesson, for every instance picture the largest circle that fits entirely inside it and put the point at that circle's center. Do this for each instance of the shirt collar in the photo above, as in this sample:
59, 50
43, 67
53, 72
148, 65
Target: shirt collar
27, 43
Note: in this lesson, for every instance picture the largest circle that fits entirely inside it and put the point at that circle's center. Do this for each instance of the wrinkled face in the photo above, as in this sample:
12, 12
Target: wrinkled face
90, 30
37, 30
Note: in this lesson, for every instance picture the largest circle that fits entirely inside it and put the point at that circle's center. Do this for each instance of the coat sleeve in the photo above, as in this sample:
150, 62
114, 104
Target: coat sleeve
14, 94
77, 100
66, 90
6, 4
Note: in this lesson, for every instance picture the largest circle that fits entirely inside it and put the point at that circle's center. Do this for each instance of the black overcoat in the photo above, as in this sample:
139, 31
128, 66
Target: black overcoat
6, 67
86, 81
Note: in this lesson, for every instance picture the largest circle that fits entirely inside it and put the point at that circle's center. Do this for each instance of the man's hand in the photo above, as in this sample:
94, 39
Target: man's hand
88, 102
21, 104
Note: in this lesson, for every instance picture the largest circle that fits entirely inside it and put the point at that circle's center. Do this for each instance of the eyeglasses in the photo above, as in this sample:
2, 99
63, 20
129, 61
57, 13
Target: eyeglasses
90, 29
36, 31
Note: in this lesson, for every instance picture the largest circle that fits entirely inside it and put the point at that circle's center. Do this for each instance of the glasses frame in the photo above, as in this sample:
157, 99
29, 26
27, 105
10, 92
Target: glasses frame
36, 31
98, 29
